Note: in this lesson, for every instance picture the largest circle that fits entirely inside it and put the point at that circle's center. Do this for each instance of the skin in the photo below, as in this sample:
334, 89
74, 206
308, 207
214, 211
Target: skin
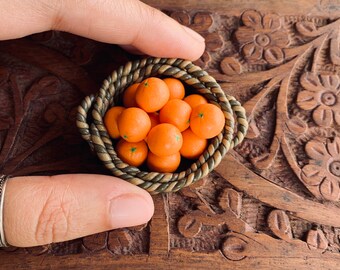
42, 210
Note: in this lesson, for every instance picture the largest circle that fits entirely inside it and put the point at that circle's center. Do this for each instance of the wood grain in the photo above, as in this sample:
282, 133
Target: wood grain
273, 203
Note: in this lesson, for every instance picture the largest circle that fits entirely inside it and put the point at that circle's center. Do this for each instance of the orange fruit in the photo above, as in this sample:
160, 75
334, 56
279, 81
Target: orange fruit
164, 140
152, 94
129, 97
207, 120
176, 88
154, 117
134, 124
166, 164
176, 112
110, 121
132, 153
195, 100
193, 146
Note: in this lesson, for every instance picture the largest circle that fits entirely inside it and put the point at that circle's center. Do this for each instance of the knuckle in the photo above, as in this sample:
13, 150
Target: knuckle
54, 220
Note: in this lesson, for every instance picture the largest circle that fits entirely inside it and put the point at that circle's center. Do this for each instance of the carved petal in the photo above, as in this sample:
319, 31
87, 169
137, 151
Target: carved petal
244, 35
271, 21
202, 21
311, 82
231, 66
306, 28
334, 148
252, 18
234, 248
316, 240
323, 116
279, 38
252, 52
337, 116
330, 189
312, 174
279, 224
273, 55
182, 17
330, 82
316, 150
231, 199
296, 125
189, 226
306, 100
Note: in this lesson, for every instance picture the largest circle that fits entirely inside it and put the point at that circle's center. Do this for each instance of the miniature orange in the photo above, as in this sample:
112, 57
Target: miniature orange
152, 94
129, 97
207, 120
165, 164
195, 100
154, 117
134, 124
176, 112
132, 153
164, 140
110, 121
176, 88
193, 146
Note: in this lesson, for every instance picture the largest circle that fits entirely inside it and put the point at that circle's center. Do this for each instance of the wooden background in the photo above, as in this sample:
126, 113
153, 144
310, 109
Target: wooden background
273, 203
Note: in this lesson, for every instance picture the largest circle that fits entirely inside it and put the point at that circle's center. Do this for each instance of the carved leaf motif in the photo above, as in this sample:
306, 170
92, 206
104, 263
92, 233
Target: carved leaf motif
265, 160
279, 224
234, 248
316, 239
296, 125
335, 50
231, 199
231, 66
306, 28
189, 226
253, 130
329, 189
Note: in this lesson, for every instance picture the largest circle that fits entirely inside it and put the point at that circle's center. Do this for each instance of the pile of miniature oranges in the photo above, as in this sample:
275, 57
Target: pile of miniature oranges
159, 125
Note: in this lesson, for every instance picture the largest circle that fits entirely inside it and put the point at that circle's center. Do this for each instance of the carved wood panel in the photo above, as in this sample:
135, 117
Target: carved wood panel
272, 202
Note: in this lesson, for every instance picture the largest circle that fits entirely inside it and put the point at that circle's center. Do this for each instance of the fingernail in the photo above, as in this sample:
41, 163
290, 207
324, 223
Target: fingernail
193, 34
130, 210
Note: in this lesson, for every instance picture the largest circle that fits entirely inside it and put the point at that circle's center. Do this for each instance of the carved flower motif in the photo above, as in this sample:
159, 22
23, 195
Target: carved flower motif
321, 94
262, 37
323, 169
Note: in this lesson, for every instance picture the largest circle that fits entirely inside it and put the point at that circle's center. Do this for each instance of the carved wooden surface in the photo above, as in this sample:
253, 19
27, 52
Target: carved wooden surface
273, 203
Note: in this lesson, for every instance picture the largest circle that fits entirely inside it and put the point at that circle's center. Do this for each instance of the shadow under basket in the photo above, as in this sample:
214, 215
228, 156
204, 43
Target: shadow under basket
93, 108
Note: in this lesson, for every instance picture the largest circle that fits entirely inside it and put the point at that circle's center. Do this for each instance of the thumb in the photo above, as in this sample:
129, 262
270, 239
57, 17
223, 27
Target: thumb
41, 210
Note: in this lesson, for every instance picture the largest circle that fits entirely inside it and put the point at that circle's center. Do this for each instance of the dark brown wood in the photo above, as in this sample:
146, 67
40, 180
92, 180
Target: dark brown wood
273, 203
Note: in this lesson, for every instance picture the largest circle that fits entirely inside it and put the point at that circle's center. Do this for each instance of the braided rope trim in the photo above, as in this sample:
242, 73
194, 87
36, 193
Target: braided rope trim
95, 133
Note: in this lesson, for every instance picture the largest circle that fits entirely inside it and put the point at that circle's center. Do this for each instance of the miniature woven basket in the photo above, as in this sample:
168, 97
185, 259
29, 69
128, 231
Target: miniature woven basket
93, 108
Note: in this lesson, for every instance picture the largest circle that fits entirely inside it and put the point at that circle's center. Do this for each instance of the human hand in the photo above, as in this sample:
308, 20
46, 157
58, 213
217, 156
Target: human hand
42, 210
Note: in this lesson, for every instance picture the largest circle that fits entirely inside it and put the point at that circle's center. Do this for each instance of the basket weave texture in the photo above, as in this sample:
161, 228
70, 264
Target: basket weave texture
93, 108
